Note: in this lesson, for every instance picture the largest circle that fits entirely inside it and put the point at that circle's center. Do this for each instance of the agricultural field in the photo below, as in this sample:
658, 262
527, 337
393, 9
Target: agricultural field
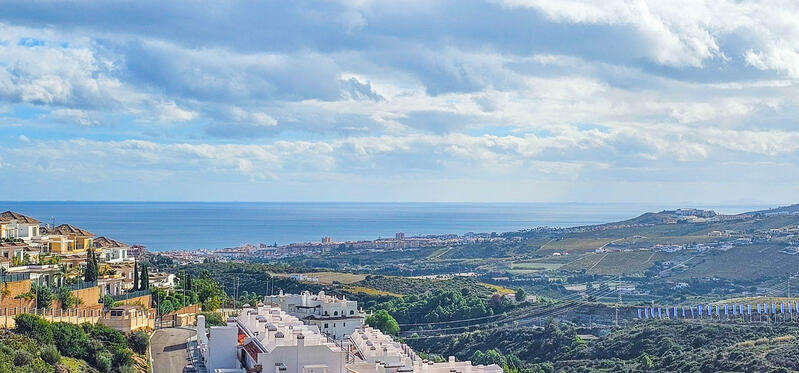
573, 245
614, 263
328, 278
527, 267
744, 263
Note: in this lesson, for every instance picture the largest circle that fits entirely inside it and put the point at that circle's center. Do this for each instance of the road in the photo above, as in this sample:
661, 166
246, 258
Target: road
168, 347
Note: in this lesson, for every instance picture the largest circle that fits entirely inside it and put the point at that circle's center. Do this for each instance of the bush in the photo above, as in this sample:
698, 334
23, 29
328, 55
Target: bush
114, 339
70, 339
50, 354
103, 362
139, 341
127, 369
122, 357
22, 358
213, 319
34, 327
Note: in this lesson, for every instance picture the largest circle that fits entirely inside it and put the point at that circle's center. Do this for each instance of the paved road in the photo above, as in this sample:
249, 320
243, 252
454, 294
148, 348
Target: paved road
169, 349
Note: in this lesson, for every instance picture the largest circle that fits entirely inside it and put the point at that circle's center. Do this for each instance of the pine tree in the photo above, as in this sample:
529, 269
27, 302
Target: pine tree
135, 275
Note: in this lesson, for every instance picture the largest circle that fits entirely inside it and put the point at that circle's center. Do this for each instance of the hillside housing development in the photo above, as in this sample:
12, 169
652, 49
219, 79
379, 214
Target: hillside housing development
268, 339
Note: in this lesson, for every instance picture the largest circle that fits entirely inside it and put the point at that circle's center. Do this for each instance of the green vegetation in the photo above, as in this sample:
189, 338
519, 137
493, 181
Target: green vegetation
213, 319
102, 347
91, 270
383, 321
441, 305
660, 346
404, 285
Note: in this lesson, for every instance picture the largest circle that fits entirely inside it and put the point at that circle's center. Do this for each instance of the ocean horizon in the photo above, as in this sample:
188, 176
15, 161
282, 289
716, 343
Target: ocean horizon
214, 225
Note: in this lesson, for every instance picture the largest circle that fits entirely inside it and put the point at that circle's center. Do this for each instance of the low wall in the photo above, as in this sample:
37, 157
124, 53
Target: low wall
145, 300
74, 316
14, 289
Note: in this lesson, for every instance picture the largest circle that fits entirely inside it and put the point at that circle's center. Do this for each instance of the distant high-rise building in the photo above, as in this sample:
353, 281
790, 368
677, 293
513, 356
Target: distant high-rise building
399, 236
327, 240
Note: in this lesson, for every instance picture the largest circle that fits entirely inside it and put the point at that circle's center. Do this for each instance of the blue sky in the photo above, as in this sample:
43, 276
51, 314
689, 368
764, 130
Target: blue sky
501, 100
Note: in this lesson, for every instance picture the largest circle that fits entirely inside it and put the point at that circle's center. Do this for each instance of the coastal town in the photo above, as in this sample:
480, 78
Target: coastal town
66, 275
274, 251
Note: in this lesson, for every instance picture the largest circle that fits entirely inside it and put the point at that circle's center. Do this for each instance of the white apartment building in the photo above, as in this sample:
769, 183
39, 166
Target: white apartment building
379, 353
267, 339
335, 317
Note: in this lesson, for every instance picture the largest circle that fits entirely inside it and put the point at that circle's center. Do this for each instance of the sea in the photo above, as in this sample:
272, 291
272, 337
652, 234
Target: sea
214, 225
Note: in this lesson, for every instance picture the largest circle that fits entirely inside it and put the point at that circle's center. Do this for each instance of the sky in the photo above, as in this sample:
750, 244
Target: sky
360, 100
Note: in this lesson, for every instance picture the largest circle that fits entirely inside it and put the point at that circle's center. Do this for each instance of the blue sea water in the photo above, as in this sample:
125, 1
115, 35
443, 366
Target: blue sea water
213, 225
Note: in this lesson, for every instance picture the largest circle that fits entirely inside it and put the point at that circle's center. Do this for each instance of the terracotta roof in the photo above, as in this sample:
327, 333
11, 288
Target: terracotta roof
105, 242
11, 215
13, 244
67, 229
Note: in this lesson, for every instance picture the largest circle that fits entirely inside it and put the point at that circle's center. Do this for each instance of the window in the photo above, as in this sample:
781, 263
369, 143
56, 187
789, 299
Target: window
344, 324
352, 312
325, 326
335, 313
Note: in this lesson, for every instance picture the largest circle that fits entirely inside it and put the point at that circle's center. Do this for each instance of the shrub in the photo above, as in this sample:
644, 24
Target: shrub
213, 319
114, 339
34, 327
50, 354
70, 339
22, 358
103, 362
138, 341
122, 357
127, 369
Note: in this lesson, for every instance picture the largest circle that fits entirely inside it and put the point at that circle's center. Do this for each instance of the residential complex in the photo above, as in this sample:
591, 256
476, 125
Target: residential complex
268, 339
334, 317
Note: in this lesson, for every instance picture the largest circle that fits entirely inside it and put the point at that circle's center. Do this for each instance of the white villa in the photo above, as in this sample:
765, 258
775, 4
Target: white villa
16, 225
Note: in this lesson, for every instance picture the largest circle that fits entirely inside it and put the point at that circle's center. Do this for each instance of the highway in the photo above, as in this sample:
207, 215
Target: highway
168, 347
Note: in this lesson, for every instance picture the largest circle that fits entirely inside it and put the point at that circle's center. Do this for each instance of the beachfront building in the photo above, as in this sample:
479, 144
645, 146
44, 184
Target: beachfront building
335, 317
111, 251
15, 225
267, 339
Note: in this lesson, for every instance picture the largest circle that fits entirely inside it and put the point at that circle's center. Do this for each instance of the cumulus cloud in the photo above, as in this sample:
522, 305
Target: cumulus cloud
570, 91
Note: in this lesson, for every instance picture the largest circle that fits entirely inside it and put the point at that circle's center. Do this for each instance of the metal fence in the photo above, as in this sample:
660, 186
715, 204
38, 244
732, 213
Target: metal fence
13, 277
129, 295
82, 285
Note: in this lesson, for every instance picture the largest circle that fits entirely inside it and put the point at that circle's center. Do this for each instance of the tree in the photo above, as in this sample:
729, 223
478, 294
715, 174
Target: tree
383, 321
135, 275
145, 278
521, 295
139, 341
66, 298
34, 327
91, 271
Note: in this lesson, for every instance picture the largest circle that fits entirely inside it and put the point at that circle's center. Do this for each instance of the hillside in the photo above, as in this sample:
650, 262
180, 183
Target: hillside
650, 346
790, 209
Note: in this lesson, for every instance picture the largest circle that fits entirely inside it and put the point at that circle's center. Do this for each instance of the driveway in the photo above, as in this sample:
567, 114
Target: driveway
168, 347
